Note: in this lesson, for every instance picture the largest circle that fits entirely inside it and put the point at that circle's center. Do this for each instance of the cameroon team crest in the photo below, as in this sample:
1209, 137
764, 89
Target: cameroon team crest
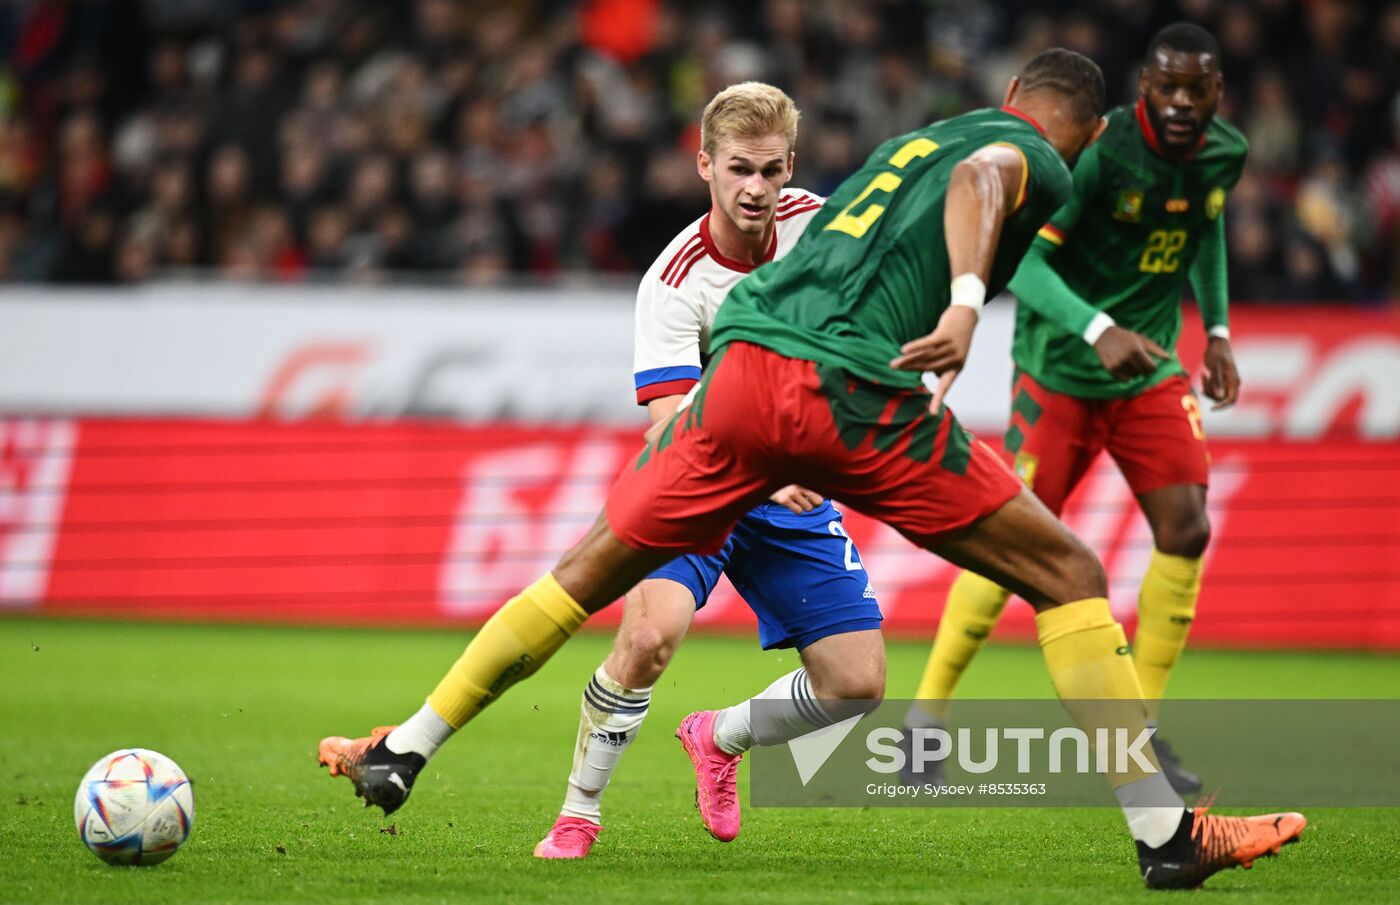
1215, 202
1129, 206
1024, 466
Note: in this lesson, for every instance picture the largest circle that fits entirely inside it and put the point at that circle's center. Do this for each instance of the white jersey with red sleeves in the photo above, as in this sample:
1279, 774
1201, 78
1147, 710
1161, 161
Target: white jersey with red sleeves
678, 297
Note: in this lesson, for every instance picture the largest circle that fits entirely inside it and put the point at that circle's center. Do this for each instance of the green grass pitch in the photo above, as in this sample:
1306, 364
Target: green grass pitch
242, 708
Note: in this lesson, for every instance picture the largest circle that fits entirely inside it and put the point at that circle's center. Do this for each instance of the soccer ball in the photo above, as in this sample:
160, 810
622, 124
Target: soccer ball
134, 807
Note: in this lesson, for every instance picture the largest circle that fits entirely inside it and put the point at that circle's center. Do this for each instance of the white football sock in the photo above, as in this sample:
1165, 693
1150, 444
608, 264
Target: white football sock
611, 716
732, 733
1155, 823
423, 733
790, 710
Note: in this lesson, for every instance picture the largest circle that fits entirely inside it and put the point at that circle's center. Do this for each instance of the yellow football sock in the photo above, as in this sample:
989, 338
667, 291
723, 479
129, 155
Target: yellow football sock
1087, 655
973, 608
1166, 606
514, 642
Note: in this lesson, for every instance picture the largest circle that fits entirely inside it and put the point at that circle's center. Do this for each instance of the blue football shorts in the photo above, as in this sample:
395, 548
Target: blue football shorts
800, 574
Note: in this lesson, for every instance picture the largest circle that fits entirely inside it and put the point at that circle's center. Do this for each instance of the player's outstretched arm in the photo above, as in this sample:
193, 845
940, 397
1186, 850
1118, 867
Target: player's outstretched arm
982, 193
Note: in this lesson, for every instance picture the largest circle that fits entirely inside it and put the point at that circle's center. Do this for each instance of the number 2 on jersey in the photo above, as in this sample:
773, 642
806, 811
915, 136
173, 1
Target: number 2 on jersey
839, 530
1193, 415
857, 224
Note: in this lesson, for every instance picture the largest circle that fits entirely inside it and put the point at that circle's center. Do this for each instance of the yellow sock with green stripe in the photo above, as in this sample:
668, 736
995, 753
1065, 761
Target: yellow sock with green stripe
514, 643
1087, 655
974, 605
1166, 606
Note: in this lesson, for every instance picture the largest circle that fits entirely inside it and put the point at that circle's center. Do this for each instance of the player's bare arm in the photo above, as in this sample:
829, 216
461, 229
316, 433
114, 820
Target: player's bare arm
663, 407
660, 411
982, 193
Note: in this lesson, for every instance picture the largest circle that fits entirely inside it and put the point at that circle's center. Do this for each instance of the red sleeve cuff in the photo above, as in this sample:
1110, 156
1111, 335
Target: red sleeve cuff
664, 388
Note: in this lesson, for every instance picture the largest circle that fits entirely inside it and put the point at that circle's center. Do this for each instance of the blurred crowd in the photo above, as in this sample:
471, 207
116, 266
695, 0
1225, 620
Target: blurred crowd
475, 141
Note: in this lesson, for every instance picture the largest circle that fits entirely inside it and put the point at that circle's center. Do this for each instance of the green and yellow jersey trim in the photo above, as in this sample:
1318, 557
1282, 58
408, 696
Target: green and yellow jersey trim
1025, 172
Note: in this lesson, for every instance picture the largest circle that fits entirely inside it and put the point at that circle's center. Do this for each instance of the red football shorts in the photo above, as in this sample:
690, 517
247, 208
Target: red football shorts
760, 421
1155, 438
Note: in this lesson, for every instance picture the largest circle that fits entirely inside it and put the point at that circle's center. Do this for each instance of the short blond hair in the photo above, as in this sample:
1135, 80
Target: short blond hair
748, 110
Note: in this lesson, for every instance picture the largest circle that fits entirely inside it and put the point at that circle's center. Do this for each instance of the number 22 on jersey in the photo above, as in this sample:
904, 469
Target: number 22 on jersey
857, 224
1160, 255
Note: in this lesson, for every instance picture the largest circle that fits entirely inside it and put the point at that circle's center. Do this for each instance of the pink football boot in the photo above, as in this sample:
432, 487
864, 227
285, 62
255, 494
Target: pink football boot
570, 837
716, 791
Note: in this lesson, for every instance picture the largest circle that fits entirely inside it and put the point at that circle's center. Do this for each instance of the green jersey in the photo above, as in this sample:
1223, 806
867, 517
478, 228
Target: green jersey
870, 272
1135, 228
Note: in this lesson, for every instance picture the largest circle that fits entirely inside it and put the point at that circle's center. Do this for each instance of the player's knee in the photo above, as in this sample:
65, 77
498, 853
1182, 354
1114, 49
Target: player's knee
853, 690
1187, 535
1083, 574
644, 654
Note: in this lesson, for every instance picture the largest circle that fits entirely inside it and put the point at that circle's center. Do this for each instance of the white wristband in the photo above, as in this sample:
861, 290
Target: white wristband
1222, 332
1096, 328
968, 290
